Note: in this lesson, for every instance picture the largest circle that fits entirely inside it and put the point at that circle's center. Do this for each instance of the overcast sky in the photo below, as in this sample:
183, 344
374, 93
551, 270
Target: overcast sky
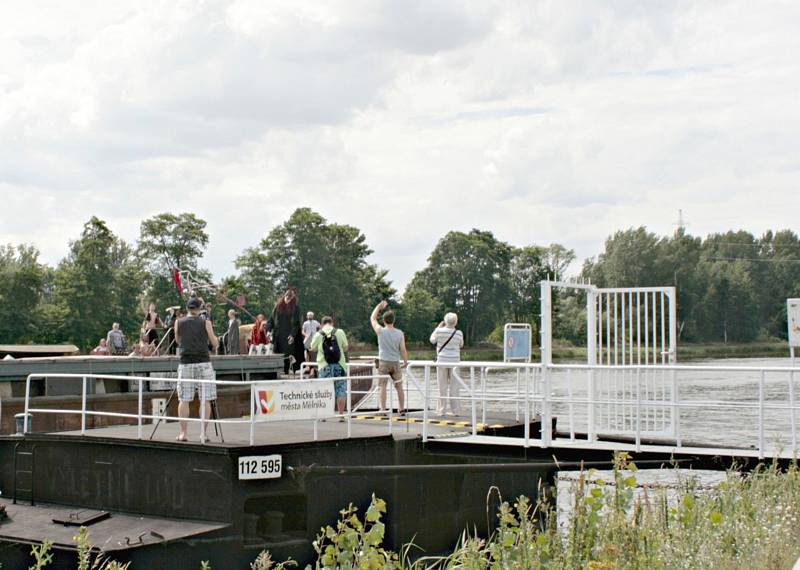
543, 122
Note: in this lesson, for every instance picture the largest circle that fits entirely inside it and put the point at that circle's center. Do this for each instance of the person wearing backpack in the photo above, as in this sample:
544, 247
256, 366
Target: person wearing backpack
448, 341
116, 341
330, 344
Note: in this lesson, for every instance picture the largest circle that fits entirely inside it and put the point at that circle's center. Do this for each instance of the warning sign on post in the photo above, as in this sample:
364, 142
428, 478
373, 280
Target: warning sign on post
295, 400
793, 318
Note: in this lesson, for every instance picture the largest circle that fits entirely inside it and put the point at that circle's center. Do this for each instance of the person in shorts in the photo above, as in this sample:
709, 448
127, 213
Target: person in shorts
326, 342
194, 334
391, 347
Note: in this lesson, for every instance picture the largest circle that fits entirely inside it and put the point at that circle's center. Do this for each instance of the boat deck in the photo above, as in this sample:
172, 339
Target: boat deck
364, 425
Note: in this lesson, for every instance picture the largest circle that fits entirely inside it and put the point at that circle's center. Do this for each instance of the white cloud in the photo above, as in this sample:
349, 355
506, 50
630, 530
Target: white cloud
547, 121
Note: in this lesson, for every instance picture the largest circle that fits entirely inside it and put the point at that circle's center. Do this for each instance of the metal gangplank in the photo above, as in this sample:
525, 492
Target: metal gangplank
735, 411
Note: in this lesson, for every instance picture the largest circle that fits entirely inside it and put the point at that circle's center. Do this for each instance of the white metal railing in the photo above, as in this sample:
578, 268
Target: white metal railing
729, 408
140, 416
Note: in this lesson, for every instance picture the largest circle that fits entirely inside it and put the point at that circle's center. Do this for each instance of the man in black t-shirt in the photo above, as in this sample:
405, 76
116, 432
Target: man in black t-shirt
194, 335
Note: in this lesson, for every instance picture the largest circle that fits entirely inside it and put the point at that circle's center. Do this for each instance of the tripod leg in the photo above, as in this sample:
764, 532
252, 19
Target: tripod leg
164, 413
215, 415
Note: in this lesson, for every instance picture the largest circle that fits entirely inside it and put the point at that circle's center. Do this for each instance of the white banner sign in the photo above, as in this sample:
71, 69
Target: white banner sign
793, 317
303, 400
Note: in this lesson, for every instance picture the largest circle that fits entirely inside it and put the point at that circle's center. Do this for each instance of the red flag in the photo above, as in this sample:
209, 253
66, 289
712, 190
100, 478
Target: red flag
176, 278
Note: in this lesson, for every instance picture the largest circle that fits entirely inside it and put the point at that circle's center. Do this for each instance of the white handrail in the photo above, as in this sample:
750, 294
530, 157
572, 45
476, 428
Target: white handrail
558, 389
140, 415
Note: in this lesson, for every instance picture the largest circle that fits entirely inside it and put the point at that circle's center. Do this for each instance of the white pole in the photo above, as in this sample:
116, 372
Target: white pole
638, 410
202, 416
547, 323
350, 405
676, 411
761, 415
792, 414
472, 400
591, 351
527, 427
673, 323
427, 380
83, 405
646, 329
252, 414
571, 413
139, 428
25, 421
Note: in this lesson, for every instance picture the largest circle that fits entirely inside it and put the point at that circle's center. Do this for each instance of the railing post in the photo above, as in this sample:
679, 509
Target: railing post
349, 404
570, 397
792, 414
25, 419
427, 380
591, 356
472, 400
638, 409
675, 407
83, 406
252, 413
547, 321
390, 388
484, 379
761, 415
139, 422
590, 401
202, 416
547, 435
527, 415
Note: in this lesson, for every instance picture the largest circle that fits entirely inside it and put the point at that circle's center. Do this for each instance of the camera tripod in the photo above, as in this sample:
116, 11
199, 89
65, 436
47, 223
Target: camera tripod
214, 415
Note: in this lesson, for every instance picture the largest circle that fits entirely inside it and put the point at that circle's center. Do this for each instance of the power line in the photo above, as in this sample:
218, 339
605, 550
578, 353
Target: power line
771, 260
765, 244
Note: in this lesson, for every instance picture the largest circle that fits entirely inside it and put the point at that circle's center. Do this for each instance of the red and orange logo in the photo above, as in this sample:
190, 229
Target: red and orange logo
266, 402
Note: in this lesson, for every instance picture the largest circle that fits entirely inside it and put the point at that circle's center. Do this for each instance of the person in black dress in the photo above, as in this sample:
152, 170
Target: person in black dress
285, 324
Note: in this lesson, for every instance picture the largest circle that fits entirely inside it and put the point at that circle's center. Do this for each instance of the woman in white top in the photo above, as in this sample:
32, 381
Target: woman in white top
448, 341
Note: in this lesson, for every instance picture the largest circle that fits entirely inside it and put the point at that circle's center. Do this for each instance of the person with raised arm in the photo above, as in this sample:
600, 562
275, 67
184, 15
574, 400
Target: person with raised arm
391, 348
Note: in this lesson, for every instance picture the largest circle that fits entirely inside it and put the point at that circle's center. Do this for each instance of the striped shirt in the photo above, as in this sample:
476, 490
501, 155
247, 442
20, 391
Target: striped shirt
452, 351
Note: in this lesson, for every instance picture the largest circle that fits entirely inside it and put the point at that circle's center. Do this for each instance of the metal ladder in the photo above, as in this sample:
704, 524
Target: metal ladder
20, 456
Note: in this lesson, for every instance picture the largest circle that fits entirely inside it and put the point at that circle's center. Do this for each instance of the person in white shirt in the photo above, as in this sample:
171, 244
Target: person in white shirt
310, 327
448, 341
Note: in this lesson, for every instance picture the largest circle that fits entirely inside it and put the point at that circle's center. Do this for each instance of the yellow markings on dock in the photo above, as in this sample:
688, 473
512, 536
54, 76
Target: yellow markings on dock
431, 421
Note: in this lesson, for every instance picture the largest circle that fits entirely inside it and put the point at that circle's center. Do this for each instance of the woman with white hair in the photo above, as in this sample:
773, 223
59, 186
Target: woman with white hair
448, 340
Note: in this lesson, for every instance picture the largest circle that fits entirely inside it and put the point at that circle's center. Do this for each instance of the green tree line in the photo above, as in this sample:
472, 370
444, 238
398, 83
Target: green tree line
731, 286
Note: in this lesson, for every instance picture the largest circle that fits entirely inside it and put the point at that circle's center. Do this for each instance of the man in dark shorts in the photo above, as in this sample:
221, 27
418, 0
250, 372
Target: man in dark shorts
194, 334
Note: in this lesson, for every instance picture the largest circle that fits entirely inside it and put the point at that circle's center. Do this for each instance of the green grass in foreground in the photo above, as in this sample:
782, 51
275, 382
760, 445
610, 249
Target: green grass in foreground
749, 521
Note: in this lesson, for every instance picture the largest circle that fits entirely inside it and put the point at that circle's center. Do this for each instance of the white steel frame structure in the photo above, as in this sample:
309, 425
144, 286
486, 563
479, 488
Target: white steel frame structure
626, 327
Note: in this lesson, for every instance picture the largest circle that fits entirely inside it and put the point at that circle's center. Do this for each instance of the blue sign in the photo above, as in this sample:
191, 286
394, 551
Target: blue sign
517, 344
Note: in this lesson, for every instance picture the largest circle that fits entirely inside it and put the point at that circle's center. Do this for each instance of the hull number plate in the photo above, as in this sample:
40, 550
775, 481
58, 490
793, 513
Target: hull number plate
260, 467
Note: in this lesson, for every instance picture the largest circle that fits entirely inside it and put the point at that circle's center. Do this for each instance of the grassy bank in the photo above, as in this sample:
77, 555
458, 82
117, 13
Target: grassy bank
565, 352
